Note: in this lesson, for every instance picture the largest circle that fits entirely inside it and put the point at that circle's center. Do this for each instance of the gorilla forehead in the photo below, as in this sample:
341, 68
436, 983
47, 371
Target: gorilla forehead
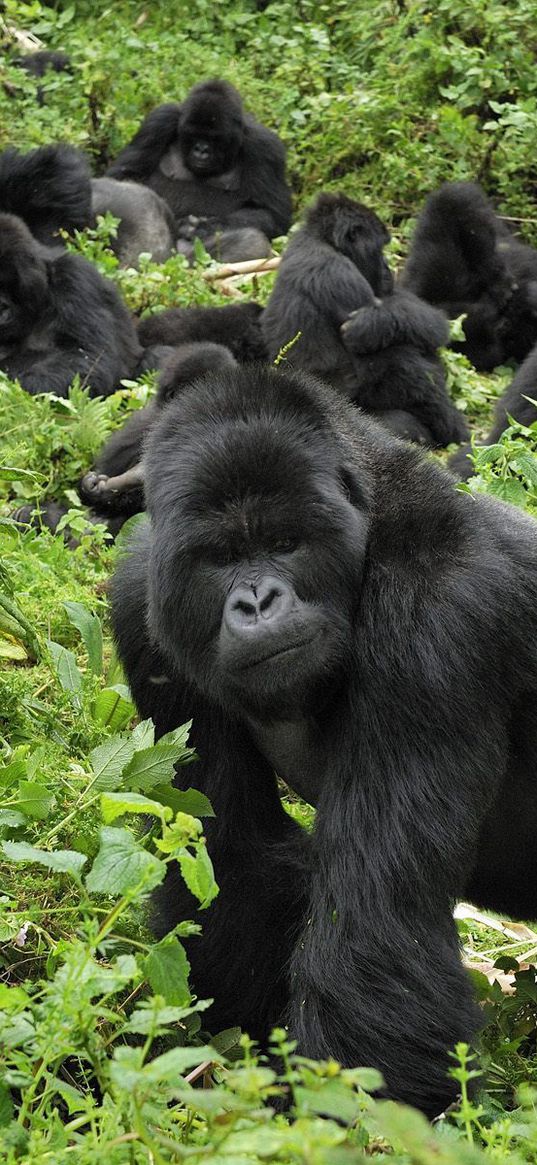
212, 105
239, 436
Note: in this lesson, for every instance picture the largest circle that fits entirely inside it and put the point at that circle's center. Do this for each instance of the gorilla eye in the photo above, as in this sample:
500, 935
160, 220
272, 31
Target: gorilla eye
285, 545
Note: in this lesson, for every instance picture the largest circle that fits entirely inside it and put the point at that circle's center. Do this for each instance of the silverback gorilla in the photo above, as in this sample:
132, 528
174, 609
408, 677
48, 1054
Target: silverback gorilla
325, 605
59, 318
221, 172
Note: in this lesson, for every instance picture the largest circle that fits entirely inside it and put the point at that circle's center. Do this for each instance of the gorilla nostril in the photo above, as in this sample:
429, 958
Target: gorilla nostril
267, 602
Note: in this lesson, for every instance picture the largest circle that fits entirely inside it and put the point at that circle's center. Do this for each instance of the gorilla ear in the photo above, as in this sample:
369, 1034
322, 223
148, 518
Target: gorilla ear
351, 488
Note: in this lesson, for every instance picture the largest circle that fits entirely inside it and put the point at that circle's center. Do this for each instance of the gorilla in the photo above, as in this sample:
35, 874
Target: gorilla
382, 353
59, 318
115, 487
464, 260
146, 221
513, 403
40, 63
393, 344
324, 604
218, 169
49, 188
236, 326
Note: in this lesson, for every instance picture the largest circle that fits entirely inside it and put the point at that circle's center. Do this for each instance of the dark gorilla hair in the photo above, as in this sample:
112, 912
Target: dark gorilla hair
513, 403
49, 188
221, 172
464, 259
236, 326
146, 223
59, 318
115, 487
325, 605
394, 346
41, 63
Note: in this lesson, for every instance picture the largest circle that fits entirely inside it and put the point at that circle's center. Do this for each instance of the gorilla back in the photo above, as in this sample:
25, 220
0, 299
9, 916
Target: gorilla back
324, 604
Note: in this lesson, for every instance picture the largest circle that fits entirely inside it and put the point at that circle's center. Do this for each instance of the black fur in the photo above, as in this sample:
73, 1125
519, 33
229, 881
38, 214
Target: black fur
115, 487
146, 221
464, 259
49, 188
59, 318
41, 63
332, 266
393, 344
323, 602
236, 326
513, 403
212, 163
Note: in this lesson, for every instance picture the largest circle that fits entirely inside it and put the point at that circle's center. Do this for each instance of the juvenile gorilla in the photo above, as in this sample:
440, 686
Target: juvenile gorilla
324, 604
381, 354
146, 221
393, 344
464, 260
59, 318
221, 172
115, 487
236, 326
513, 403
49, 188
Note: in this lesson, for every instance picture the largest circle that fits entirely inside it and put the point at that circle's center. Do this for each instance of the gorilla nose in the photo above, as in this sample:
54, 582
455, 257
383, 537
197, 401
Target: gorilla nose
201, 151
254, 607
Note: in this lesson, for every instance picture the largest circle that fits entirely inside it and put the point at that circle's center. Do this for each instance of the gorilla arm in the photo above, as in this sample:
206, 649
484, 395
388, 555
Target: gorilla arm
142, 155
267, 198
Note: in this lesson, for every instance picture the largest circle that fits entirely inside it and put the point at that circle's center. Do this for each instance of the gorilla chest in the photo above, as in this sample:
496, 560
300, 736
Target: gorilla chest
217, 196
294, 749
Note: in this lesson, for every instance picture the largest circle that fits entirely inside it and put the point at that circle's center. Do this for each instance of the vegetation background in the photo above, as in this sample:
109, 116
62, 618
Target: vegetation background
103, 1053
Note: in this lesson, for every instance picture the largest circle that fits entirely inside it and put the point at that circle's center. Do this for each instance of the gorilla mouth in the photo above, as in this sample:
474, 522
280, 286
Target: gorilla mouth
278, 652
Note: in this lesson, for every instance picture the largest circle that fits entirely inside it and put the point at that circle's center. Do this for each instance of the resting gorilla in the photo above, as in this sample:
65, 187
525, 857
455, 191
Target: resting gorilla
236, 326
221, 172
513, 403
383, 355
146, 221
464, 259
49, 188
115, 487
325, 605
59, 317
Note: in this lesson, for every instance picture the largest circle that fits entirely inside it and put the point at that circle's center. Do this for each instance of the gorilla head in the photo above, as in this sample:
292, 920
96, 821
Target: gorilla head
211, 128
355, 231
251, 499
23, 279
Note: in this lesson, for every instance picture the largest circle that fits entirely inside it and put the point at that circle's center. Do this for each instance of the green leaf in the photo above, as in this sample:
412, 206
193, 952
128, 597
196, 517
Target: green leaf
10, 819
34, 800
487, 455
6, 1106
122, 865
109, 760
333, 1098
184, 800
152, 766
66, 669
65, 861
117, 804
113, 708
144, 734
167, 969
90, 629
198, 874
526, 464
508, 490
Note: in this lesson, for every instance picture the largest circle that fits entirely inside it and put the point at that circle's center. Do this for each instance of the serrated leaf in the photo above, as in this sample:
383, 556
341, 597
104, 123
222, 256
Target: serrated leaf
65, 861
509, 490
152, 766
333, 1099
113, 708
66, 669
487, 455
178, 736
117, 804
10, 819
109, 760
184, 800
34, 800
198, 874
122, 865
167, 969
526, 465
143, 734
90, 629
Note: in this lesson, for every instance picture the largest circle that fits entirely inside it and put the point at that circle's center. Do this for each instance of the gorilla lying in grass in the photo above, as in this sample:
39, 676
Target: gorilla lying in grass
518, 402
326, 606
380, 352
59, 318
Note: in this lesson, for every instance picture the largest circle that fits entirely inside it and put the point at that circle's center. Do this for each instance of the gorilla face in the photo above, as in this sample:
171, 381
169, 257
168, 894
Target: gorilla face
211, 129
259, 542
